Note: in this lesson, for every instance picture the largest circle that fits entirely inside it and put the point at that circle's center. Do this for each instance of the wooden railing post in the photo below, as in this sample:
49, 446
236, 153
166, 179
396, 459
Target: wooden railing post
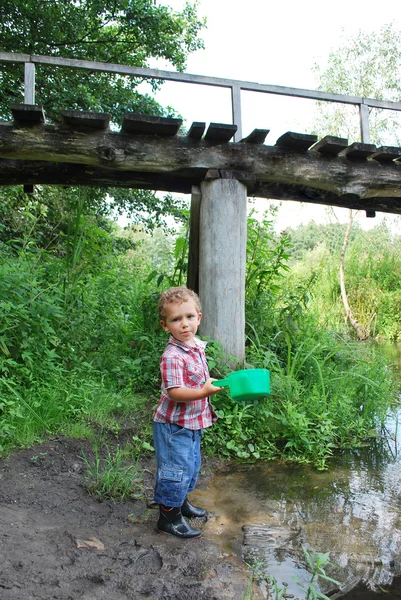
364, 120
236, 111
29, 83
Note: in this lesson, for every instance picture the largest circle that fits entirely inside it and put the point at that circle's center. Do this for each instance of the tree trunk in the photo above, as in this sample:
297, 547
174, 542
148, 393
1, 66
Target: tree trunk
362, 335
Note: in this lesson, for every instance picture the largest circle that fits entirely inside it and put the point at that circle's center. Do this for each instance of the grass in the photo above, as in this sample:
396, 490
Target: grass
112, 478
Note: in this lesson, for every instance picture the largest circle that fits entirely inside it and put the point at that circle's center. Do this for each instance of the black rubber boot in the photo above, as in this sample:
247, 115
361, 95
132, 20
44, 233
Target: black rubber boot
172, 522
189, 511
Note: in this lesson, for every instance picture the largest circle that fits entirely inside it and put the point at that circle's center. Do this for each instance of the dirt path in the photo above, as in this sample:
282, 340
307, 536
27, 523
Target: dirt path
57, 543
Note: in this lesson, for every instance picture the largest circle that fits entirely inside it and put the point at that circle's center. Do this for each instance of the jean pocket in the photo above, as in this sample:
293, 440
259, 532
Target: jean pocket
169, 473
174, 429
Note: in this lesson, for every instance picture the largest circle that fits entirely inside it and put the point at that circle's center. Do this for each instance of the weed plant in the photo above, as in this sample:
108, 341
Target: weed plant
317, 564
112, 477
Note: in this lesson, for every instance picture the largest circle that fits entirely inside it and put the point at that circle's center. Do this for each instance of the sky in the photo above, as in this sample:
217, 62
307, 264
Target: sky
271, 42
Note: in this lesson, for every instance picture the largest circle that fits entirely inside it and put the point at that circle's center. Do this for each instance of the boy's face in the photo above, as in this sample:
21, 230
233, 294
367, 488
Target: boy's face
182, 321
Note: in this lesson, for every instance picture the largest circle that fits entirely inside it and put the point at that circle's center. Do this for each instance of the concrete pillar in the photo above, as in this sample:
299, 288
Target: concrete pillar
222, 257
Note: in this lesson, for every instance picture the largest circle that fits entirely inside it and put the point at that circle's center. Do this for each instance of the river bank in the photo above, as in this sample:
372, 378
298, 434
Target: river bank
57, 542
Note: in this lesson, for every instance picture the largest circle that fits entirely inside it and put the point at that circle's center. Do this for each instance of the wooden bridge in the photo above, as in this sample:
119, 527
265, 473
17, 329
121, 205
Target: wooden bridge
149, 152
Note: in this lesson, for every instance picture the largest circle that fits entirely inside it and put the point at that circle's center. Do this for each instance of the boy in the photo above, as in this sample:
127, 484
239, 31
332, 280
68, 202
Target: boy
182, 412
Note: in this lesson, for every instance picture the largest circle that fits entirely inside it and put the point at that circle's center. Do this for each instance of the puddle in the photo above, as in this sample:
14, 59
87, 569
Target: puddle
265, 513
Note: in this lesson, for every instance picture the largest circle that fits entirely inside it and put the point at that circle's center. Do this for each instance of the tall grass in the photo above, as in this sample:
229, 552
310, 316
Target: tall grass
81, 353
113, 477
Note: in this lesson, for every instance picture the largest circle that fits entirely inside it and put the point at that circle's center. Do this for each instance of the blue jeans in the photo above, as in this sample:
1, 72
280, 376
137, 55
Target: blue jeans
178, 462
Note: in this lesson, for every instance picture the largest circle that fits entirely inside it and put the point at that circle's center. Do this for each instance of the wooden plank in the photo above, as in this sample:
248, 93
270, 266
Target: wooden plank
358, 150
243, 176
386, 154
150, 125
220, 132
330, 145
196, 130
257, 136
28, 114
78, 119
299, 142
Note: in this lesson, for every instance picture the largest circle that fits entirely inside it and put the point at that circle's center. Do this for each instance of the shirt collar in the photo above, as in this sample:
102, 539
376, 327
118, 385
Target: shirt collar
199, 344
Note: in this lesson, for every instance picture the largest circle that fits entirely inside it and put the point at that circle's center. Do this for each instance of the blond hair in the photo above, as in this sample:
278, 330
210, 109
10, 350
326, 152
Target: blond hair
177, 295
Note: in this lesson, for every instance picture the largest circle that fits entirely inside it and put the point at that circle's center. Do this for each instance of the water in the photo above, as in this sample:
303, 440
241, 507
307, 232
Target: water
265, 513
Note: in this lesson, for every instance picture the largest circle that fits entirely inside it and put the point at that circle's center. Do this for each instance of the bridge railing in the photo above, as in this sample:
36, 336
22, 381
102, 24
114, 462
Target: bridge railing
236, 86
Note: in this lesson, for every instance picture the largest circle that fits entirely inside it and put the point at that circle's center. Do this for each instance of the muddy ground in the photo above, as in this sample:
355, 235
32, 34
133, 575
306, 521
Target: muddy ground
59, 543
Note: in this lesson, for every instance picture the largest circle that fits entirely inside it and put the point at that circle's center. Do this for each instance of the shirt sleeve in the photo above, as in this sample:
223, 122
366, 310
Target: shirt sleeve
172, 372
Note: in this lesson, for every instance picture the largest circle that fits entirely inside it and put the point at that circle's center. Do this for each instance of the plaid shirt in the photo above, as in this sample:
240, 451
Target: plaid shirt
184, 366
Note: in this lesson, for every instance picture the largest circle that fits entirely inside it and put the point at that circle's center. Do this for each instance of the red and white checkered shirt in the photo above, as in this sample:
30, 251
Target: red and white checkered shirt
184, 366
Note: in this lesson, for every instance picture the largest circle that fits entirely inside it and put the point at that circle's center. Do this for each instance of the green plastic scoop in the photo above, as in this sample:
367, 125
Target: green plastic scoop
247, 385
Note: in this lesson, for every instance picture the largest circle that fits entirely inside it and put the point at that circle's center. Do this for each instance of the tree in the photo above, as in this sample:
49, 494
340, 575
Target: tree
120, 31
367, 65
128, 32
361, 334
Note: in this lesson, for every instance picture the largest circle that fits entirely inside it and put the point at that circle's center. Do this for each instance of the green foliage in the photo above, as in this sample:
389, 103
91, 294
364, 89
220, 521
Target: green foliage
72, 334
123, 31
176, 269
80, 345
317, 563
112, 478
267, 258
308, 237
364, 65
29, 311
373, 275
327, 392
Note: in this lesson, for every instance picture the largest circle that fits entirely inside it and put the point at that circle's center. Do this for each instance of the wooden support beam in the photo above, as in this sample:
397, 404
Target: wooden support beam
196, 130
358, 151
77, 119
48, 154
299, 142
257, 136
330, 145
150, 125
220, 132
222, 254
68, 174
28, 114
193, 251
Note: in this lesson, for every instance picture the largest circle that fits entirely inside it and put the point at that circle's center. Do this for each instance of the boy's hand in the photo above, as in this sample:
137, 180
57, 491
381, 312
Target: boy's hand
210, 389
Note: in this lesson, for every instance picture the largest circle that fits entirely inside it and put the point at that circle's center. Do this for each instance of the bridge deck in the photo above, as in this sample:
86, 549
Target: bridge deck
150, 152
